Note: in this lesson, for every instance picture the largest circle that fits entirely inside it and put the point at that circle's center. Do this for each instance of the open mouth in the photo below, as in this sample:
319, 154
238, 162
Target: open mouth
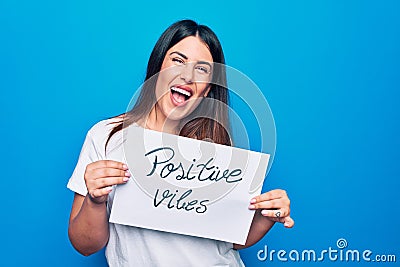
180, 94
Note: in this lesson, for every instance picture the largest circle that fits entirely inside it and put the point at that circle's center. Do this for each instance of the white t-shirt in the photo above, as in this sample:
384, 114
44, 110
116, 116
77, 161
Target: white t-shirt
133, 246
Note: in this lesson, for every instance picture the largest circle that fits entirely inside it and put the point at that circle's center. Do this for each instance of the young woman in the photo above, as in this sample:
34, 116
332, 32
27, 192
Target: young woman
181, 67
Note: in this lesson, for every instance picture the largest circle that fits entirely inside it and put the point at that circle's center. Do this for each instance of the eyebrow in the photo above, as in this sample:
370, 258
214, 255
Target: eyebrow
185, 57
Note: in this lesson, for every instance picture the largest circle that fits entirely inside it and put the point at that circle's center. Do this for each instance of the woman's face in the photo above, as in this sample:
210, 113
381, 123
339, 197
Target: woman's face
184, 78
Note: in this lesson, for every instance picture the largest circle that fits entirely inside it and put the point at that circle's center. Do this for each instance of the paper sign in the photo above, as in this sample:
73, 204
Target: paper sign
186, 186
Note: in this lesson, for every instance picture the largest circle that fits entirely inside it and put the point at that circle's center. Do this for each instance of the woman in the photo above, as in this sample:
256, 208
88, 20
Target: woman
180, 75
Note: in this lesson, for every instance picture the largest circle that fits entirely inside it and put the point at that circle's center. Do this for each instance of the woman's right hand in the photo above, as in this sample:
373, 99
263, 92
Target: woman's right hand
101, 175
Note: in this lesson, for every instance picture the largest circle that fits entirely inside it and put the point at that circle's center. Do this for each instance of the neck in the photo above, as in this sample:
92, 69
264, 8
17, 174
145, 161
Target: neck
158, 122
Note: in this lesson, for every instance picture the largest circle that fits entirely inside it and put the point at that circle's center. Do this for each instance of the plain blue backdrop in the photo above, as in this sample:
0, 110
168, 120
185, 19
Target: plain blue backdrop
330, 72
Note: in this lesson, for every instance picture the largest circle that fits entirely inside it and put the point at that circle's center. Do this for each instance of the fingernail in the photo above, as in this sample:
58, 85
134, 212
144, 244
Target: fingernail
127, 174
253, 200
109, 189
252, 207
264, 212
125, 167
126, 179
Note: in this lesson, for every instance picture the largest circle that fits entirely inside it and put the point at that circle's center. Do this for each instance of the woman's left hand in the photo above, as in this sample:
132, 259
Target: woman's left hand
274, 205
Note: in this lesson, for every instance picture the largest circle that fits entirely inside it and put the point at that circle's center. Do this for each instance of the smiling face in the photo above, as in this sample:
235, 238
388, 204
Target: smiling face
183, 80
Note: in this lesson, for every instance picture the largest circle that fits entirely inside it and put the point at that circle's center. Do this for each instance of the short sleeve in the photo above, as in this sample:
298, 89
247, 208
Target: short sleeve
89, 154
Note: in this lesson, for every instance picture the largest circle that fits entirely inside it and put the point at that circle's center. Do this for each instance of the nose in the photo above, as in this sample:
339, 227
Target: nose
187, 73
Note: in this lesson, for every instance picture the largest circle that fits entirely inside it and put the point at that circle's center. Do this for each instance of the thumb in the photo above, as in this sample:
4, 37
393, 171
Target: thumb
288, 222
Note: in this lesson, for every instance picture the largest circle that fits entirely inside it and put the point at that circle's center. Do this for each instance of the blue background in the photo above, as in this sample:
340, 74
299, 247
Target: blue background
330, 72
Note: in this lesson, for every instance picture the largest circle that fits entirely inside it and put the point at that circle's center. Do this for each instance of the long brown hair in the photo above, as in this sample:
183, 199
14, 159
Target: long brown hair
209, 121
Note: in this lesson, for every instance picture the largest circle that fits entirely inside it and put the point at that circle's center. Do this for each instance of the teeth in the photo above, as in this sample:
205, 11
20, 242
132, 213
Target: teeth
183, 92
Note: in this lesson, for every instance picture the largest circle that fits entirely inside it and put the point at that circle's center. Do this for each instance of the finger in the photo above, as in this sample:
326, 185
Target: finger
106, 182
289, 222
108, 172
270, 195
96, 193
107, 164
279, 213
271, 204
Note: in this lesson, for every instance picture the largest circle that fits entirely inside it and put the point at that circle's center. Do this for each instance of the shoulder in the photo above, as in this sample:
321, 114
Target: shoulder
104, 126
100, 131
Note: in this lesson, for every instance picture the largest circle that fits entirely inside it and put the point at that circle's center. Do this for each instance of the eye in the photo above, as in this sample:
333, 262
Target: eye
178, 60
203, 69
